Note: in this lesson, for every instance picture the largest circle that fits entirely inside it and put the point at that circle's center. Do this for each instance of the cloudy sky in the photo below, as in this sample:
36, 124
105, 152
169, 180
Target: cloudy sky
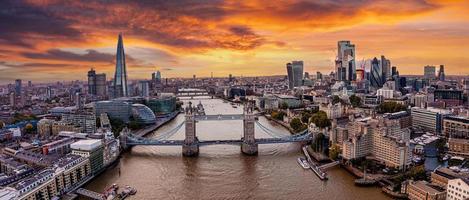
50, 40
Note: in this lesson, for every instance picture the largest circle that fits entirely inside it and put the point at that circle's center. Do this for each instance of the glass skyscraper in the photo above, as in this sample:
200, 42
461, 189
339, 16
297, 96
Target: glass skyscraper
120, 77
345, 63
295, 74
376, 78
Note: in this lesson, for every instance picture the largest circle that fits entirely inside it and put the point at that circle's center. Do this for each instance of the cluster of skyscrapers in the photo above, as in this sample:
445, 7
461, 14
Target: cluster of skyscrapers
295, 74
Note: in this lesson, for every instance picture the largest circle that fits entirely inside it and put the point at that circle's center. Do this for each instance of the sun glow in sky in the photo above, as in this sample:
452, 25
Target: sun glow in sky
50, 40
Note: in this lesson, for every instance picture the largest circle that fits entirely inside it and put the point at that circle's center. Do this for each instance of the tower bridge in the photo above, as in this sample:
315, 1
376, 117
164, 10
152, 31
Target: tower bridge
191, 92
190, 145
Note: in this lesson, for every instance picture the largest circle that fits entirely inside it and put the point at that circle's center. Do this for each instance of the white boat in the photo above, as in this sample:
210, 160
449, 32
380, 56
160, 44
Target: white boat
447, 157
303, 162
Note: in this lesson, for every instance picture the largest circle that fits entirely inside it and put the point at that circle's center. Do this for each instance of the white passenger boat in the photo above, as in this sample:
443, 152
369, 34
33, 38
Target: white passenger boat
304, 163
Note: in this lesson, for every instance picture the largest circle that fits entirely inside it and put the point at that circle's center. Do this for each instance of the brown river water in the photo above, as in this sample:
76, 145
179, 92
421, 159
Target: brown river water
222, 171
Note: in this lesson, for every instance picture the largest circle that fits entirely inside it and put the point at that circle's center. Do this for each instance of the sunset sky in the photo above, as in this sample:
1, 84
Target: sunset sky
51, 40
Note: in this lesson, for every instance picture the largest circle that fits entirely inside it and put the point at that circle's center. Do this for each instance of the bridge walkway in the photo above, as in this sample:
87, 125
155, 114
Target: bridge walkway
90, 194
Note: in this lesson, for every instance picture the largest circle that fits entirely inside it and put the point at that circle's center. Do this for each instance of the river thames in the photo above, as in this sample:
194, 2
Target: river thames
222, 171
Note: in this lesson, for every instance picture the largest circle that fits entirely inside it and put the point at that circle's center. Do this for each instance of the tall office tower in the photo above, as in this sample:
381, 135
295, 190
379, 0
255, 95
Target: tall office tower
120, 77
290, 75
386, 67
101, 85
49, 92
30, 84
12, 100
230, 77
92, 82
376, 78
18, 87
429, 72
96, 83
345, 61
306, 75
295, 74
156, 77
318, 75
441, 73
340, 72
394, 71
78, 101
144, 89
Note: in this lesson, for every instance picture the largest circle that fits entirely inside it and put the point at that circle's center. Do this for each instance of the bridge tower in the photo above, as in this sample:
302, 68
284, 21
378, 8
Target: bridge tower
123, 138
190, 146
249, 145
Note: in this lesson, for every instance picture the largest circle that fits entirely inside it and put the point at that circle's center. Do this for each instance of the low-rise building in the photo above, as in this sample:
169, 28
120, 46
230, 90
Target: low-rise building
457, 130
458, 189
333, 111
429, 119
422, 190
381, 140
442, 175
91, 149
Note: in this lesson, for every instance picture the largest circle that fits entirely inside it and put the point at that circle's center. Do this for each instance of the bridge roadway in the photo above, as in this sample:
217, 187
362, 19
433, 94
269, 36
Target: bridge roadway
218, 117
194, 95
287, 139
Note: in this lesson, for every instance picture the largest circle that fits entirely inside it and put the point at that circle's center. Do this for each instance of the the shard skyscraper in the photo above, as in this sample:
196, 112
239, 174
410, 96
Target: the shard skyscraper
120, 77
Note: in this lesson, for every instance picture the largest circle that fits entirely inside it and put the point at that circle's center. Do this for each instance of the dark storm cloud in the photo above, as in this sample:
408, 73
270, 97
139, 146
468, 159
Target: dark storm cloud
57, 54
21, 23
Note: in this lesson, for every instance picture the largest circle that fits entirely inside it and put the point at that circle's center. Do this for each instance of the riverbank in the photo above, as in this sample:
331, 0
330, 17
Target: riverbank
285, 125
159, 122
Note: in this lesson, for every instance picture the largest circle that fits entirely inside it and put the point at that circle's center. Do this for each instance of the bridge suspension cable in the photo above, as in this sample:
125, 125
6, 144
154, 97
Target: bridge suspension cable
162, 136
268, 131
170, 133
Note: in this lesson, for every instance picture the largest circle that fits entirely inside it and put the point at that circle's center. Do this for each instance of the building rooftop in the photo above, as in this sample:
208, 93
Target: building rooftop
458, 118
68, 161
8, 193
86, 145
41, 177
425, 186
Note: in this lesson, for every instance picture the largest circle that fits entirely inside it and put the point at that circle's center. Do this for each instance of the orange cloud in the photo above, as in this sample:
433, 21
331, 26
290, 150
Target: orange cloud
250, 37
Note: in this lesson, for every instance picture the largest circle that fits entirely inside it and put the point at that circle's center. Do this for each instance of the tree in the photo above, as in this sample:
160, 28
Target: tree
320, 119
336, 99
334, 152
296, 125
284, 105
117, 125
305, 117
134, 125
418, 173
355, 101
29, 128
390, 107
278, 115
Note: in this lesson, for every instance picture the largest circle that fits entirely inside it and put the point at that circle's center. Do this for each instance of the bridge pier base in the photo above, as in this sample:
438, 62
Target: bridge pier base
190, 146
249, 145
249, 148
190, 150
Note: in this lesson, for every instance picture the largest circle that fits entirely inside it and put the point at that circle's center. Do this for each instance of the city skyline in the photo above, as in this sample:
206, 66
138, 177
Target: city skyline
42, 44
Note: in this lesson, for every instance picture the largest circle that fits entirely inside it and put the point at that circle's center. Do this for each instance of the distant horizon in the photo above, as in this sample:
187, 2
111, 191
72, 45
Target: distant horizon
25, 82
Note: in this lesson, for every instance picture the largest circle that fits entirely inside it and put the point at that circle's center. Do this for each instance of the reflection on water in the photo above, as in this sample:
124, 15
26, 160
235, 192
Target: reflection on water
222, 171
